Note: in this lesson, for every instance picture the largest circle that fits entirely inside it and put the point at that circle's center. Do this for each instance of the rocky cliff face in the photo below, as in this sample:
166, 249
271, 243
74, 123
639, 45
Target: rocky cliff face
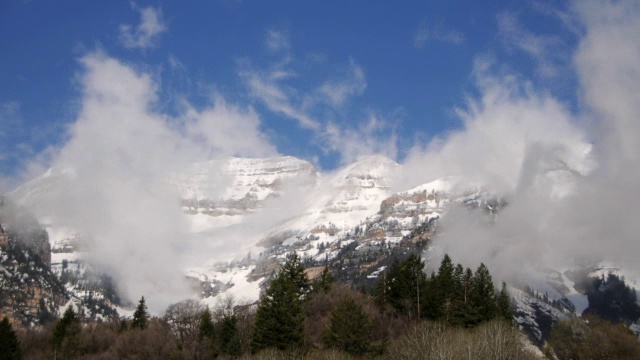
29, 292
237, 186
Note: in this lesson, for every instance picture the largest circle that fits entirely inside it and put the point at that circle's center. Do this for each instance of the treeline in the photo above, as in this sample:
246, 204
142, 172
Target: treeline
409, 315
611, 299
453, 295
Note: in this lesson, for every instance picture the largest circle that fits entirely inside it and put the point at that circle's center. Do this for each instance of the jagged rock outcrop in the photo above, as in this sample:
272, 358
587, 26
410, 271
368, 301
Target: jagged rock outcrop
29, 292
247, 183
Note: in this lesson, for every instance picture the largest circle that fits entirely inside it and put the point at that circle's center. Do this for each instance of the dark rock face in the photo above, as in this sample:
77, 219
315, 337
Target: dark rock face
29, 292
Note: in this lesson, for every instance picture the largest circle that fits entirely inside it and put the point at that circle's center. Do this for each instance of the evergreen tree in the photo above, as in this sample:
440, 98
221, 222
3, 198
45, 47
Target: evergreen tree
206, 332
141, 315
294, 271
402, 286
9, 345
483, 297
445, 288
205, 328
464, 313
438, 302
503, 303
325, 281
350, 329
279, 319
611, 299
229, 339
65, 334
379, 293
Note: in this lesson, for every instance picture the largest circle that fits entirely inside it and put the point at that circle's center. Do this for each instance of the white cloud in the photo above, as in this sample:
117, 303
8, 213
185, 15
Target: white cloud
436, 31
373, 136
267, 87
317, 108
228, 130
514, 135
498, 130
144, 35
351, 82
121, 152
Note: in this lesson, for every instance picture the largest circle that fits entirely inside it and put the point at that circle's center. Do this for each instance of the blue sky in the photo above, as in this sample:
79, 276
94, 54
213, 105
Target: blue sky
497, 93
392, 72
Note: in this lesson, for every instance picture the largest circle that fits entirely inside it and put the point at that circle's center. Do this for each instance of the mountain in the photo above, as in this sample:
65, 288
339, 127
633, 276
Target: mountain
30, 293
238, 186
350, 220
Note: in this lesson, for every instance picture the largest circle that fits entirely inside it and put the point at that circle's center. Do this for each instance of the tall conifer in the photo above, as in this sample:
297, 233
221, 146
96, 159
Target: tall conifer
350, 328
9, 345
279, 319
503, 301
229, 339
483, 296
141, 315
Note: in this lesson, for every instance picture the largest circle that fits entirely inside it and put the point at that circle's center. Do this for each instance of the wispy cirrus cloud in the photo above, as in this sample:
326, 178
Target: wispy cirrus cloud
436, 31
9, 117
320, 108
350, 82
146, 33
277, 40
268, 87
546, 50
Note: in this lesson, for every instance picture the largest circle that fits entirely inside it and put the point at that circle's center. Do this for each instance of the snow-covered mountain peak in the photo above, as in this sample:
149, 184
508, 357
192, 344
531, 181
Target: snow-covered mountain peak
235, 179
367, 171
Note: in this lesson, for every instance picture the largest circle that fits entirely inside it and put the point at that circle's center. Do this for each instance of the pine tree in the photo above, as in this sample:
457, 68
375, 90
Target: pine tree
65, 334
350, 329
279, 319
464, 314
413, 268
438, 302
294, 270
380, 291
9, 345
325, 281
229, 339
205, 329
206, 332
503, 304
483, 297
402, 286
140, 316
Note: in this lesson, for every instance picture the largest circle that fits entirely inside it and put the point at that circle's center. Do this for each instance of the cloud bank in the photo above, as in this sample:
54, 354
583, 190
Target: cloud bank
522, 143
120, 152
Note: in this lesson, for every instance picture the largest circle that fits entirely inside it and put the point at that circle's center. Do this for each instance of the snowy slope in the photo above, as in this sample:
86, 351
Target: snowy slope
237, 178
342, 200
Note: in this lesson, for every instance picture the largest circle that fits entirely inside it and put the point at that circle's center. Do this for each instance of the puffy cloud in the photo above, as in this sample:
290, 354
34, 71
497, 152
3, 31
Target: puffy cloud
499, 128
120, 153
228, 130
144, 35
528, 143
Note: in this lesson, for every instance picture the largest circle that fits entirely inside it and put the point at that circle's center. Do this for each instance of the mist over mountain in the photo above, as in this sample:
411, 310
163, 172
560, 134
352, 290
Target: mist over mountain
199, 201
